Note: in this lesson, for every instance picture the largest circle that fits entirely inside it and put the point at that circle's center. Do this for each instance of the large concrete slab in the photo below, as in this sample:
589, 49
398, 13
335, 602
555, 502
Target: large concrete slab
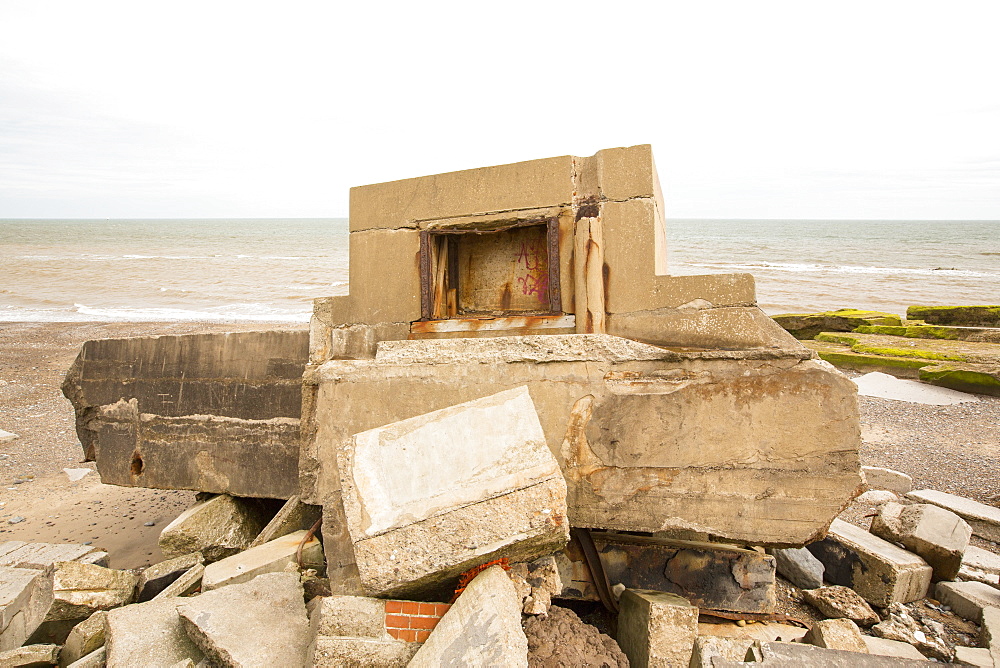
479, 484
270, 557
878, 570
25, 597
751, 446
216, 527
82, 589
148, 634
984, 519
19, 554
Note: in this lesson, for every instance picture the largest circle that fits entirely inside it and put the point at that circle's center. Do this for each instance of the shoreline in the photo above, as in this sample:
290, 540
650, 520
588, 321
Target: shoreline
950, 448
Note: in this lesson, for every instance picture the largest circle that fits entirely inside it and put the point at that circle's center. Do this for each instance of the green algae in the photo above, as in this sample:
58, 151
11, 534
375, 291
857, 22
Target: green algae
807, 325
965, 380
966, 316
842, 339
888, 330
906, 352
850, 360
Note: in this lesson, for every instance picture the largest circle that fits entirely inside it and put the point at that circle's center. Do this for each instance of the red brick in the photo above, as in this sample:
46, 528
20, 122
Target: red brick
397, 622
423, 622
408, 636
441, 608
427, 608
411, 608
422, 636
395, 633
393, 607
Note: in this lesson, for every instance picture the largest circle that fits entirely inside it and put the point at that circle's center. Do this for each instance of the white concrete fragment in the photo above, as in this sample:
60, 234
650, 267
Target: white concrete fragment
981, 560
967, 599
76, 474
25, 597
877, 477
895, 648
884, 386
984, 519
271, 557
7, 436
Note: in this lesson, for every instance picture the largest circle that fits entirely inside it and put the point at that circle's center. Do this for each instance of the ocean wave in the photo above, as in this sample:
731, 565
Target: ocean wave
801, 268
230, 312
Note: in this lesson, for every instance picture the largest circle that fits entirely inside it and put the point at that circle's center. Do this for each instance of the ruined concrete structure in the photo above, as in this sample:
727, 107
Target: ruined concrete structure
670, 403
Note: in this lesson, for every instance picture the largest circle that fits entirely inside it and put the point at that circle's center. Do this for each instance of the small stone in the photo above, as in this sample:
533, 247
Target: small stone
149, 524
17, 519
7, 436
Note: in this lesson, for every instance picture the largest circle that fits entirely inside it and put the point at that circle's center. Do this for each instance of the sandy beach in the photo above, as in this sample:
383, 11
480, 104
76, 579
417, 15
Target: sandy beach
951, 448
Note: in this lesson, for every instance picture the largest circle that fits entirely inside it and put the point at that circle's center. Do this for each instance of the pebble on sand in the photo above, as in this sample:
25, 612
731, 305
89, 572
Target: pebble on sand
6, 436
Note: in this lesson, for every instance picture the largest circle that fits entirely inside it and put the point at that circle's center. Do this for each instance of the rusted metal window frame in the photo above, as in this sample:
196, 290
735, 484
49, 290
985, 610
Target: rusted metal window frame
552, 247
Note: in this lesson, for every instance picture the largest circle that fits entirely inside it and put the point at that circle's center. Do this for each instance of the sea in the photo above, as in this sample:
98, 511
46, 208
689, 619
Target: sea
270, 270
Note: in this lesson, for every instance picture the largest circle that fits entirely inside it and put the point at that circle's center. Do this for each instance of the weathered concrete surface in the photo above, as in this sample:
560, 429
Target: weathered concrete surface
981, 560
270, 557
973, 656
656, 628
96, 659
967, 599
25, 597
293, 516
712, 576
798, 655
157, 577
84, 638
19, 554
482, 628
218, 527
479, 484
938, 535
751, 446
894, 648
148, 634
836, 634
877, 477
839, 602
878, 570
984, 519
335, 652
185, 585
799, 566
808, 325
30, 655
82, 589
189, 406
966, 316
351, 630
926, 635
259, 623
708, 649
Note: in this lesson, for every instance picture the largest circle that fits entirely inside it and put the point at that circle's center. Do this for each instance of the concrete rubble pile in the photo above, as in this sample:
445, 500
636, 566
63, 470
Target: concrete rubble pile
514, 412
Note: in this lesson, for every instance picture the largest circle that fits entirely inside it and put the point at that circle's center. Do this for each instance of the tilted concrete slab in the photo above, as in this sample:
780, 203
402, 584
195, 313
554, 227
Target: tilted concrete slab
479, 484
18, 554
938, 535
148, 634
217, 527
270, 557
25, 597
755, 446
984, 519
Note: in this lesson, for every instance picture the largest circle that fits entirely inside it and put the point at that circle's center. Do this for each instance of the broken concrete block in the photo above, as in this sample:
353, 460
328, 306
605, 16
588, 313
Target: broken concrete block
219, 527
258, 623
982, 560
938, 535
876, 477
354, 630
270, 557
96, 659
157, 577
799, 566
708, 649
18, 554
25, 597
82, 589
984, 519
482, 628
989, 628
838, 602
293, 516
712, 576
973, 656
85, 638
656, 628
967, 599
799, 654
927, 637
836, 634
479, 484
894, 648
875, 497
147, 634
349, 616
878, 570
30, 655
772, 631
335, 652
185, 585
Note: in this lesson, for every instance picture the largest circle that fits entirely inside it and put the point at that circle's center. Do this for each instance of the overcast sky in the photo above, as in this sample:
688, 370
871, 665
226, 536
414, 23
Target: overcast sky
754, 109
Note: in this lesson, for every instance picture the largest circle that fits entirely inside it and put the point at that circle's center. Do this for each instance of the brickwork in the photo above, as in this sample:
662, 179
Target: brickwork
412, 621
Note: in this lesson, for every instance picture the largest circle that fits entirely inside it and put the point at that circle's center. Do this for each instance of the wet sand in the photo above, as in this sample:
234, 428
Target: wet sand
951, 448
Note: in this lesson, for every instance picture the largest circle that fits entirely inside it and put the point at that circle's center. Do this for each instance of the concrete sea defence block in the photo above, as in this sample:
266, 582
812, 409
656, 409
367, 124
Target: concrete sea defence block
836, 634
207, 453
84, 638
158, 577
19, 554
839, 602
148, 634
799, 654
984, 519
482, 628
799, 566
736, 327
964, 316
968, 599
96, 659
30, 655
217, 527
80, 590
981, 560
270, 557
893, 648
648, 439
877, 477
188, 582
878, 570
711, 576
258, 623
293, 516
479, 484
656, 628
335, 652
938, 535
25, 597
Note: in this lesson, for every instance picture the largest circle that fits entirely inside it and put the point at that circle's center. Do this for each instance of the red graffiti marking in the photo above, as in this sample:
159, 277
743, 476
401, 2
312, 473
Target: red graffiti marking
535, 280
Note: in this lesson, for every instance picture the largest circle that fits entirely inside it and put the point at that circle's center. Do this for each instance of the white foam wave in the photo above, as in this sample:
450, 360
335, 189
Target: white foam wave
230, 312
842, 269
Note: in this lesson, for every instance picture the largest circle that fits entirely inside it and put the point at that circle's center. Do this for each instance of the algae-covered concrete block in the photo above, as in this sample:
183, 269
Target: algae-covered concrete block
479, 483
25, 597
482, 628
221, 526
258, 623
878, 570
656, 628
938, 535
270, 557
